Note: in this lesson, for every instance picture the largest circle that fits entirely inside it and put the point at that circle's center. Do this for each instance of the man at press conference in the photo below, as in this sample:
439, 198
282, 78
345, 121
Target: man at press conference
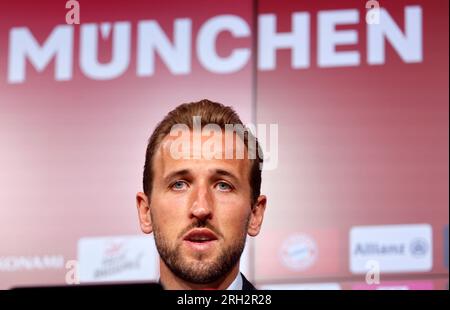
201, 208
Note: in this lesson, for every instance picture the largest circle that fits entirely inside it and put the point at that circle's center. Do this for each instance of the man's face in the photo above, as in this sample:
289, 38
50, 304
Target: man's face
200, 211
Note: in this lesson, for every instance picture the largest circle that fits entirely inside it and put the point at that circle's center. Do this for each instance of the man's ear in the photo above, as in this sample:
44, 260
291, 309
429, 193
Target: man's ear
143, 207
257, 215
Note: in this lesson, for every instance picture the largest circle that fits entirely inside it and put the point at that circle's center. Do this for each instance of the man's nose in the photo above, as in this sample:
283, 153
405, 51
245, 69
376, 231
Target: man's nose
202, 205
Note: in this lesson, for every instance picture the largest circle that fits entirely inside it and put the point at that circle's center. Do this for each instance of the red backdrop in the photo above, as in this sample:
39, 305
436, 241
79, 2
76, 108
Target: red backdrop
359, 144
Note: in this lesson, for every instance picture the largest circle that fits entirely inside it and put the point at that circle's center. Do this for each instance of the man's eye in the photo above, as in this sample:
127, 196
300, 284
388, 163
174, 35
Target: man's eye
224, 187
179, 185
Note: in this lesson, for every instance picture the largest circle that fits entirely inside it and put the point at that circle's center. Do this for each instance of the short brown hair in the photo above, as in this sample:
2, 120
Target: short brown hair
210, 113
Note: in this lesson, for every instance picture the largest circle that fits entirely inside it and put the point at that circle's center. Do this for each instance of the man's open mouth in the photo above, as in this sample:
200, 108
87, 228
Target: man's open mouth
200, 235
200, 239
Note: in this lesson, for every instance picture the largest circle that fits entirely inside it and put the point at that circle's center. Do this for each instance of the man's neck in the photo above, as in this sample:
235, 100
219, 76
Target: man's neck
171, 282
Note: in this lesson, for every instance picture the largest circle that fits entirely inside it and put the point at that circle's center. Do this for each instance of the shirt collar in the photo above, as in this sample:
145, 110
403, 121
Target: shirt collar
236, 285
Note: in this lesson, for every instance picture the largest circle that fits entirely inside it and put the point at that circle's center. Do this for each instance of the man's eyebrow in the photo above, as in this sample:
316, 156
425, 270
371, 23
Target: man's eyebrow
187, 172
175, 174
226, 173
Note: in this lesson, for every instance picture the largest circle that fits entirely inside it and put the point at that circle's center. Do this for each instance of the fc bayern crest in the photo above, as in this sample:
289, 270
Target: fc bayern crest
298, 252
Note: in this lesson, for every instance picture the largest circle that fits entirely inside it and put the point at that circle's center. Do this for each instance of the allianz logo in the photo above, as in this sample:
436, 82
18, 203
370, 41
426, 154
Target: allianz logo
417, 247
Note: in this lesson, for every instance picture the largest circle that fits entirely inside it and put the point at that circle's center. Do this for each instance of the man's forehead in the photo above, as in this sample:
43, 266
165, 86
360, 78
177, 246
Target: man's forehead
208, 152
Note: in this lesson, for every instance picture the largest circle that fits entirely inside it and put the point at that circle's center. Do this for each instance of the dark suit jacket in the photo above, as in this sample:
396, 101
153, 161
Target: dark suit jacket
246, 285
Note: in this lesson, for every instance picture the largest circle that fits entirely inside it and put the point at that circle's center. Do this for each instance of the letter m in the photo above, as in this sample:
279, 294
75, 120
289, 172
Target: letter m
24, 46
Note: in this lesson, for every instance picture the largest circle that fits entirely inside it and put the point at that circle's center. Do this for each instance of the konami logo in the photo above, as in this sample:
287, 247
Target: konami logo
29, 263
